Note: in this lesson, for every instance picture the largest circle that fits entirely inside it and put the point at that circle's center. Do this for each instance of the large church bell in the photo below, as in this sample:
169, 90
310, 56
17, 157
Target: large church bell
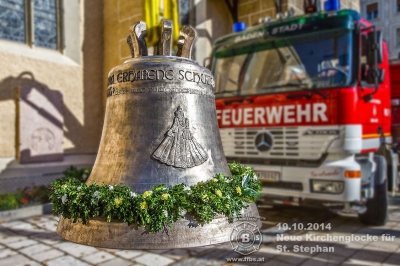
160, 127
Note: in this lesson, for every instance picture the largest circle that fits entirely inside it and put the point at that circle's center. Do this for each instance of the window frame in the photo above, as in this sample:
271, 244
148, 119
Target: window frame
377, 11
29, 26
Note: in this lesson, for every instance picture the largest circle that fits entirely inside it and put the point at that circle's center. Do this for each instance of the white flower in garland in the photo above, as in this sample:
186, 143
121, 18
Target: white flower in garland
182, 212
165, 213
133, 194
255, 177
64, 198
110, 187
186, 188
96, 194
79, 188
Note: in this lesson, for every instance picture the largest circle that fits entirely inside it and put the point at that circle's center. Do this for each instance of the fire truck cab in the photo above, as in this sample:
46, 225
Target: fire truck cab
305, 101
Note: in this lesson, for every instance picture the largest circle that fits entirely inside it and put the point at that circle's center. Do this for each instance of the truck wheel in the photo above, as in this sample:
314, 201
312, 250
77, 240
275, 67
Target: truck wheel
377, 207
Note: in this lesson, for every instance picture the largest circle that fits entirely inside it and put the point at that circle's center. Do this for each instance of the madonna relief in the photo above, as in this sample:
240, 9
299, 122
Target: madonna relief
179, 148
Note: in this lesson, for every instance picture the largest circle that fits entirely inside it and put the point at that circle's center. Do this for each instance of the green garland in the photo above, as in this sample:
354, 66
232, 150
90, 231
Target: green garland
155, 209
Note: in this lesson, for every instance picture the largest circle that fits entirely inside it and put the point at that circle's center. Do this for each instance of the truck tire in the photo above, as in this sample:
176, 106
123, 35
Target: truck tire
377, 207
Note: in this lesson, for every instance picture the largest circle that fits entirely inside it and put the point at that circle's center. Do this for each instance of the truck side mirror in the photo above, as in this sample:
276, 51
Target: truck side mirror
374, 43
371, 74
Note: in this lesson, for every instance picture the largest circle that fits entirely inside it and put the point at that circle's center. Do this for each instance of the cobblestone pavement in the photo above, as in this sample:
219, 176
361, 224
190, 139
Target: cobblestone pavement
33, 241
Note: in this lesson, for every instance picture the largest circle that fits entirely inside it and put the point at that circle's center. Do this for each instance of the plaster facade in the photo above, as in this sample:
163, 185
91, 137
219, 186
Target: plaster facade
388, 21
76, 72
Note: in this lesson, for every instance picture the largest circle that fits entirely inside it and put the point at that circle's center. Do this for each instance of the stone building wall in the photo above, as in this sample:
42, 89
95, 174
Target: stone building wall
388, 21
119, 15
250, 11
76, 72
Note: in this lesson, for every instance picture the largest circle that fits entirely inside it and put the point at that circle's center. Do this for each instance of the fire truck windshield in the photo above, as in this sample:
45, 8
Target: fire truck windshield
315, 60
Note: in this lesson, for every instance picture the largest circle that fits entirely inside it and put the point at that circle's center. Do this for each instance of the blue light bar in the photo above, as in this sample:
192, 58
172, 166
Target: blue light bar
332, 5
239, 26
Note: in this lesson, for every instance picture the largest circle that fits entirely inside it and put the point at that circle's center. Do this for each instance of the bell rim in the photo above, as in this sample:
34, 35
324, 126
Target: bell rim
180, 235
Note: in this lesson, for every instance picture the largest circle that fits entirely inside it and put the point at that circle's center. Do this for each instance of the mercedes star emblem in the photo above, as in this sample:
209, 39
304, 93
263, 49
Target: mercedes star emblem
263, 141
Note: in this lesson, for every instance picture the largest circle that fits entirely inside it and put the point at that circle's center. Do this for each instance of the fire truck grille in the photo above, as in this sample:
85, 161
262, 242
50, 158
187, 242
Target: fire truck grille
278, 145
284, 185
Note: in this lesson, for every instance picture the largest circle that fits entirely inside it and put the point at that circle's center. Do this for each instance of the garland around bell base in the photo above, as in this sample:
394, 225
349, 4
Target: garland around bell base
160, 207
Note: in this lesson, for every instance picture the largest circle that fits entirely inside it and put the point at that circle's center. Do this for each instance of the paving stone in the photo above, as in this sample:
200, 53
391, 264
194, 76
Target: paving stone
291, 258
370, 256
7, 252
352, 262
354, 245
52, 217
393, 259
153, 259
31, 250
331, 258
98, 257
220, 255
22, 226
270, 250
47, 255
344, 228
66, 261
49, 226
384, 246
18, 260
22, 244
48, 238
200, 250
12, 238
275, 262
26, 229
116, 262
128, 254
110, 250
36, 219
13, 223
314, 261
177, 254
345, 252
198, 262
76, 250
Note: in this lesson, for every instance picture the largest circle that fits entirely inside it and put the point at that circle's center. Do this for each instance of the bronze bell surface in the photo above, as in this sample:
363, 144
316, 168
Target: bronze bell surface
160, 127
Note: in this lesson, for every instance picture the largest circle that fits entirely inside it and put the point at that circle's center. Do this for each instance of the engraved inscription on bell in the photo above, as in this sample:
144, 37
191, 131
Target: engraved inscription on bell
179, 148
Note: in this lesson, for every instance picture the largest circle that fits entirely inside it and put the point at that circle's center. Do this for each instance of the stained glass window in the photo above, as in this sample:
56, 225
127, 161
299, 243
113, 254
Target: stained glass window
184, 6
45, 23
12, 20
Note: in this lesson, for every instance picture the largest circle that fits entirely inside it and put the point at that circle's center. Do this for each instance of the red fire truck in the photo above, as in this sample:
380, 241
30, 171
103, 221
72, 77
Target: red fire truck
395, 95
305, 101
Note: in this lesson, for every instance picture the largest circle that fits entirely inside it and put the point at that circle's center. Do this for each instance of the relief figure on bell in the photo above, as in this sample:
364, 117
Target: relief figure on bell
179, 148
